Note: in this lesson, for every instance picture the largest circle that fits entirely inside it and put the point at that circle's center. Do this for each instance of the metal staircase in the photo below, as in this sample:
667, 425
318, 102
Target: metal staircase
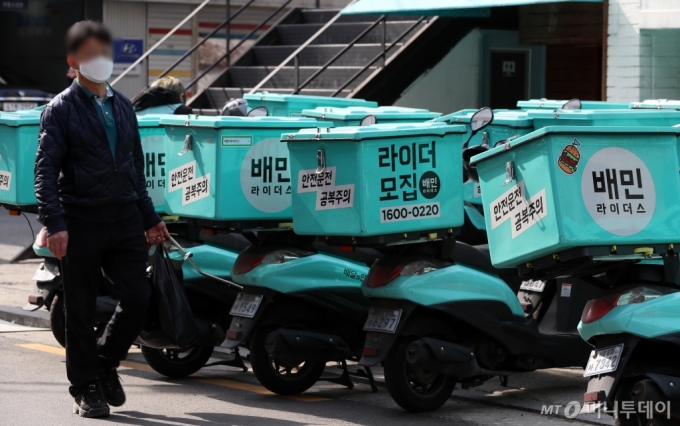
315, 52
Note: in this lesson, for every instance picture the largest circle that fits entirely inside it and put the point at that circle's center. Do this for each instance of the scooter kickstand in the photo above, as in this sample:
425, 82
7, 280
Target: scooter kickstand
236, 362
344, 378
504, 381
371, 380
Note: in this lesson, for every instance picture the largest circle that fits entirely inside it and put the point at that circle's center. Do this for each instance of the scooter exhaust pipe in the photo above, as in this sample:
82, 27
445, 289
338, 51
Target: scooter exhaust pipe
308, 345
447, 358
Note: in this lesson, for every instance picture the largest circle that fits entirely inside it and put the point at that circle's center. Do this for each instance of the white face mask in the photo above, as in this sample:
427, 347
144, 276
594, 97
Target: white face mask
98, 69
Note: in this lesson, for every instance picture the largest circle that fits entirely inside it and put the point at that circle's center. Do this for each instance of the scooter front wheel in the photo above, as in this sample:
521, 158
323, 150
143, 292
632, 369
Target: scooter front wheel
413, 389
177, 363
281, 376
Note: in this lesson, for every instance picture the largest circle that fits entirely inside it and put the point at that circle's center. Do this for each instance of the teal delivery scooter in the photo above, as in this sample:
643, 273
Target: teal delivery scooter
443, 315
301, 307
635, 331
601, 207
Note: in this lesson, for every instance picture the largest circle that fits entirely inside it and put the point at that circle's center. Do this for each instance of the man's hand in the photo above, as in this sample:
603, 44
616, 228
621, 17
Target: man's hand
57, 243
157, 234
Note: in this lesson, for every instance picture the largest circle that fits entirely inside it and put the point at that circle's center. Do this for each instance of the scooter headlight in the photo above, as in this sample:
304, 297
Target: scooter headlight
279, 256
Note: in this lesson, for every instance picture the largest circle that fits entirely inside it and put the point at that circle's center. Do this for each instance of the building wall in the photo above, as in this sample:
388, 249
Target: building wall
643, 54
128, 20
453, 84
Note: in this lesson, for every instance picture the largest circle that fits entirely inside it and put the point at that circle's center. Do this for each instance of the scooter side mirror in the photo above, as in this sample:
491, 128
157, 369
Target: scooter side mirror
260, 111
481, 119
369, 120
235, 108
571, 104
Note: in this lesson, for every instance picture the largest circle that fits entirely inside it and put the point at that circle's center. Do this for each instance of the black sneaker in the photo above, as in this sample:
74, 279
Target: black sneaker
90, 403
111, 387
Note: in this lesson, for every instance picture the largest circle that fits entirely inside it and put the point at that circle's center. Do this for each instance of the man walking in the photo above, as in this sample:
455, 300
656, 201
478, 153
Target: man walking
91, 193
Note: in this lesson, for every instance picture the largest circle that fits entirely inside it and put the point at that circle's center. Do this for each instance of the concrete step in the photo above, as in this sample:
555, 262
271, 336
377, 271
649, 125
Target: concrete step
340, 33
318, 55
330, 78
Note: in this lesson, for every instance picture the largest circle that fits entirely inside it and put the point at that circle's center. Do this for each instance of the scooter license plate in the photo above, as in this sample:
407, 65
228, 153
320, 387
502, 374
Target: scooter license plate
603, 361
246, 305
383, 320
537, 286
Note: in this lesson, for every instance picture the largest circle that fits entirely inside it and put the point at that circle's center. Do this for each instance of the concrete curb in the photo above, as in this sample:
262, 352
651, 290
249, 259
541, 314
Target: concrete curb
39, 318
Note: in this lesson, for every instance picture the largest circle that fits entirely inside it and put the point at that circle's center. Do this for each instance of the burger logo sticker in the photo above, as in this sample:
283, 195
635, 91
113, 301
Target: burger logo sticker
570, 158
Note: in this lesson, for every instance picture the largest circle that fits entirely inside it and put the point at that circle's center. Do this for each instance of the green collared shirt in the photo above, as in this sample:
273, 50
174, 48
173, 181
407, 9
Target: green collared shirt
104, 108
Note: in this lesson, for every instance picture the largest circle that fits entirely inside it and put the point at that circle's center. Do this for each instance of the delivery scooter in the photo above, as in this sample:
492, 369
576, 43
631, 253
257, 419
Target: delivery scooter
634, 329
443, 315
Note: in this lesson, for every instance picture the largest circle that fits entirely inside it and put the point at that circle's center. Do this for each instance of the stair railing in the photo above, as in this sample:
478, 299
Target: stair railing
293, 56
380, 21
207, 37
379, 55
229, 51
161, 41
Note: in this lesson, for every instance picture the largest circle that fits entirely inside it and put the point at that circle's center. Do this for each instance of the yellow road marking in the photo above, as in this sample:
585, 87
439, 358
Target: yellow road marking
208, 380
44, 348
254, 388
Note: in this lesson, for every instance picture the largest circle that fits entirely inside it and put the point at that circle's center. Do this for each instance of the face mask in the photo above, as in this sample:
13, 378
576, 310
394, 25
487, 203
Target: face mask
98, 69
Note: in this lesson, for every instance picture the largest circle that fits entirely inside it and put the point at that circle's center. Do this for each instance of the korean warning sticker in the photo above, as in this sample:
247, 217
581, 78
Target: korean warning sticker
311, 181
618, 191
335, 197
530, 214
181, 176
5, 180
507, 205
198, 189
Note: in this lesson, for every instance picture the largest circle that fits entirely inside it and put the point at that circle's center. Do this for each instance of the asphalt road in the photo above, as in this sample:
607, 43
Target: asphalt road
33, 391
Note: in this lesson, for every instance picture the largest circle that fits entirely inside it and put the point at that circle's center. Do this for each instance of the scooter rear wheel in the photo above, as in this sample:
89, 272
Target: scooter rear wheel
415, 391
281, 376
177, 363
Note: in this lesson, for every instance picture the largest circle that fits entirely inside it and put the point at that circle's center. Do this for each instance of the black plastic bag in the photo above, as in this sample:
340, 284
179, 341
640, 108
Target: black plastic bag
170, 312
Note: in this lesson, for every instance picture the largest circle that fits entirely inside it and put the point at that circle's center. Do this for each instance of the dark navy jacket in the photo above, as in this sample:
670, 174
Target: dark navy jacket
75, 173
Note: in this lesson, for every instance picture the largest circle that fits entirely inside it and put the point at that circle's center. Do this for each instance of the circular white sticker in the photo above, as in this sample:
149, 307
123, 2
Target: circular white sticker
265, 176
618, 191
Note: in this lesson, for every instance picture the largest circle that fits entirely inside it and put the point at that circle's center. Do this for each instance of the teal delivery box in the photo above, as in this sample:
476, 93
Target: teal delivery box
622, 117
564, 187
18, 145
229, 168
557, 104
153, 144
352, 116
377, 180
282, 105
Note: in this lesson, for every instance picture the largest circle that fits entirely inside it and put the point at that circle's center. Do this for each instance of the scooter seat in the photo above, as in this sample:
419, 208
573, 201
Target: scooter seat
478, 257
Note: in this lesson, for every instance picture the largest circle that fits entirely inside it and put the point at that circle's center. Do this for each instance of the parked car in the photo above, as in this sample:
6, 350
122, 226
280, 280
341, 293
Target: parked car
18, 91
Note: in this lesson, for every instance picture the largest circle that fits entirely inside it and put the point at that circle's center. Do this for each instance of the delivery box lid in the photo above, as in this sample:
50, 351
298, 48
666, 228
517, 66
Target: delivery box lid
656, 104
27, 117
537, 134
326, 100
503, 117
377, 131
381, 113
221, 122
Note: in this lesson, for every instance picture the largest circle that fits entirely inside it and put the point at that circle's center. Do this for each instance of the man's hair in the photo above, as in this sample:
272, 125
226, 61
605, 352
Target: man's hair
170, 83
83, 30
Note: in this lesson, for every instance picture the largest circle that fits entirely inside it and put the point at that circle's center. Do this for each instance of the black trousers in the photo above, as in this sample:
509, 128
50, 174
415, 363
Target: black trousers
119, 249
